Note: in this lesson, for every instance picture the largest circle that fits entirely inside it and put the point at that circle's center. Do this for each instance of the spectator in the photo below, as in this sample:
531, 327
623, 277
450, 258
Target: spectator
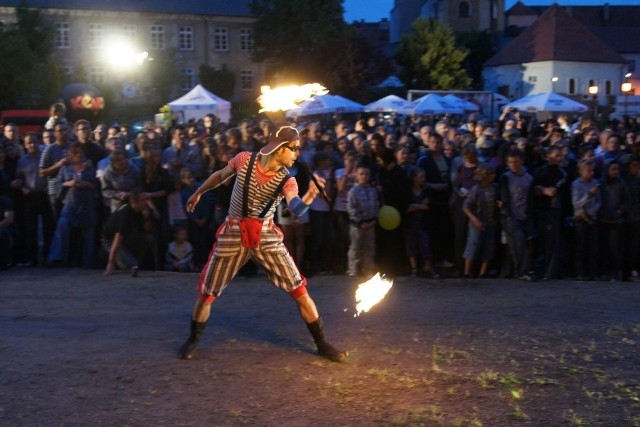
438, 182
92, 150
294, 227
394, 188
179, 255
614, 198
125, 236
585, 196
320, 213
631, 227
481, 208
515, 206
6, 234
53, 158
550, 187
345, 179
57, 113
77, 187
36, 203
119, 179
416, 236
363, 206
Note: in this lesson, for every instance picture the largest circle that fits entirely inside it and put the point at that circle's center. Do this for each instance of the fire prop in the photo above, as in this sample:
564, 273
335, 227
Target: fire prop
371, 292
285, 98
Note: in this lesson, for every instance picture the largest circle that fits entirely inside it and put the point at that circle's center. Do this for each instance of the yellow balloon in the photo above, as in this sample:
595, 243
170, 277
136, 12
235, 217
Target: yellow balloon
388, 217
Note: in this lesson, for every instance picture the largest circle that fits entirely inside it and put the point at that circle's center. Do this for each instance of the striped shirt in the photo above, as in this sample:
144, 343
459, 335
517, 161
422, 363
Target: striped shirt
50, 156
261, 188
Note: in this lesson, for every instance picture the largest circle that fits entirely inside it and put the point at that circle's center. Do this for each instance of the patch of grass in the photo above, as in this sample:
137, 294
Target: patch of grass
575, 420
518, 414
491, 379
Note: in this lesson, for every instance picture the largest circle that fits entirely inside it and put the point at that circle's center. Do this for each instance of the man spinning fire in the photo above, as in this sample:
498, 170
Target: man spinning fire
262, 181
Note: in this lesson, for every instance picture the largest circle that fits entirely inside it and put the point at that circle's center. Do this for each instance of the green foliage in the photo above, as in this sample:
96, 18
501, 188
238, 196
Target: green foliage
308, 41
219, 81
26, 71
430, 59
291, 34
480, 48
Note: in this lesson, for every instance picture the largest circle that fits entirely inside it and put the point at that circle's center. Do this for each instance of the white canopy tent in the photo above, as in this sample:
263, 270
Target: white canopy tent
429, 105
390, 103
456, 101
197, 103
548, 101
325, 104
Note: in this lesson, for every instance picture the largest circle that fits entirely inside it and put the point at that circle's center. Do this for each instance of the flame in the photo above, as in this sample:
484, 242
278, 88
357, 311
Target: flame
287, 97
371, 292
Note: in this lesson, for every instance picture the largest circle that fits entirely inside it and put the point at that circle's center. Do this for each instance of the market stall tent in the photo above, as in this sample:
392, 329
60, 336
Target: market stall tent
197, 103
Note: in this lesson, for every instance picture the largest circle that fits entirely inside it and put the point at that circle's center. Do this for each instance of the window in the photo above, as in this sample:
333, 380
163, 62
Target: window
187, 81
572, 86
96, 35
246, 40
157, 36
62, 35
464, 9
246, 79
533, 79
608, 86
185, 38
130, 32
96, 75
221, 39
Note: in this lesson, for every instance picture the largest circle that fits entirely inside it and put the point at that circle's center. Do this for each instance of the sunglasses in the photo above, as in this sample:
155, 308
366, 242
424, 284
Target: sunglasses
295, 148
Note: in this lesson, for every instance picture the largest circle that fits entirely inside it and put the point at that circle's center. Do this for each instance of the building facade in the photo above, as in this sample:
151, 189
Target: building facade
104, 41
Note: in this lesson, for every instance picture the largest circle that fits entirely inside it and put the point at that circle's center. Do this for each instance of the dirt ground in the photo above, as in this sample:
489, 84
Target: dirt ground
80, 349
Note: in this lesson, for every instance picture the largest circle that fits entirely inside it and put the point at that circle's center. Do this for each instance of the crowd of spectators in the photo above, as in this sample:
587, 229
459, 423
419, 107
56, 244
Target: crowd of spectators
517, 197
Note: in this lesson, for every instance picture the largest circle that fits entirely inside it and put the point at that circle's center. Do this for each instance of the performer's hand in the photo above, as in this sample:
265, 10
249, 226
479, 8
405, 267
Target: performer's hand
193, 201
313, 187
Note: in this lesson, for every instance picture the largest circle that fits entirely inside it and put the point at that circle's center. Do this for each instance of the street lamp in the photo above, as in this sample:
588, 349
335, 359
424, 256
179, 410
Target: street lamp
593, 91
626, 88
554, 79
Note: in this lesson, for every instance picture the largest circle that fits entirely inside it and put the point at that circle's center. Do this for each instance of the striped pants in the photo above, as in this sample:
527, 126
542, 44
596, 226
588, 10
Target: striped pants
228, 256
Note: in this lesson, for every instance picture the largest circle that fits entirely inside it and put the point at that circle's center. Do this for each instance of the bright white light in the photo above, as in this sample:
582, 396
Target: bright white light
122, 55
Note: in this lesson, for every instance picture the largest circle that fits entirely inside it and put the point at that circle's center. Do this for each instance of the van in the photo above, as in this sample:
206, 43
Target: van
25, 120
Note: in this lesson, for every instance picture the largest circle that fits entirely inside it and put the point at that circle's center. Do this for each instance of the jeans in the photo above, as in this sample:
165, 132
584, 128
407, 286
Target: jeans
60, 245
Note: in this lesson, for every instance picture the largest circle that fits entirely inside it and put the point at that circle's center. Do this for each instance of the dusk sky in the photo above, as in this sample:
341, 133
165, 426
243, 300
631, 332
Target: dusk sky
375, 10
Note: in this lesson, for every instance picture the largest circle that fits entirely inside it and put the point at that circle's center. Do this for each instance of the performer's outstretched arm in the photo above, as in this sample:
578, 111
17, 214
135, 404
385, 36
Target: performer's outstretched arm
212, 182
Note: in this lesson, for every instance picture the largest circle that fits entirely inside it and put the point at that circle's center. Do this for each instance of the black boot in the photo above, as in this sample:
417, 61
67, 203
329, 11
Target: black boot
189, 347
324, 348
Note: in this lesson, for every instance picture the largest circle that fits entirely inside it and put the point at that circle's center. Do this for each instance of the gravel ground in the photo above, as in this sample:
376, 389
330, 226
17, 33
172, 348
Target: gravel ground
79, 349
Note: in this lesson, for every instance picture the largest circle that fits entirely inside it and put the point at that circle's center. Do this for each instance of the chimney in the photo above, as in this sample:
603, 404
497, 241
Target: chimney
606, 12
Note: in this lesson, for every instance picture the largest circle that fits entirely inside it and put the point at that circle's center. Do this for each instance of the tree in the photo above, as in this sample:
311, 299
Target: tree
296, 39
221, 82
430, 59
480, 47
26, 47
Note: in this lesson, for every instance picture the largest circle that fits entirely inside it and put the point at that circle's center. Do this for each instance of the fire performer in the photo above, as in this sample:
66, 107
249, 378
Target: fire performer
262, 181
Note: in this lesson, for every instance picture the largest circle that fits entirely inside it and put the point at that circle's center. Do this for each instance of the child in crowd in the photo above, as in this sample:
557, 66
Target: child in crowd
416, 235
57, 114
585, 196
176, 206
179, 256
363, 205
515, 205
481, 208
